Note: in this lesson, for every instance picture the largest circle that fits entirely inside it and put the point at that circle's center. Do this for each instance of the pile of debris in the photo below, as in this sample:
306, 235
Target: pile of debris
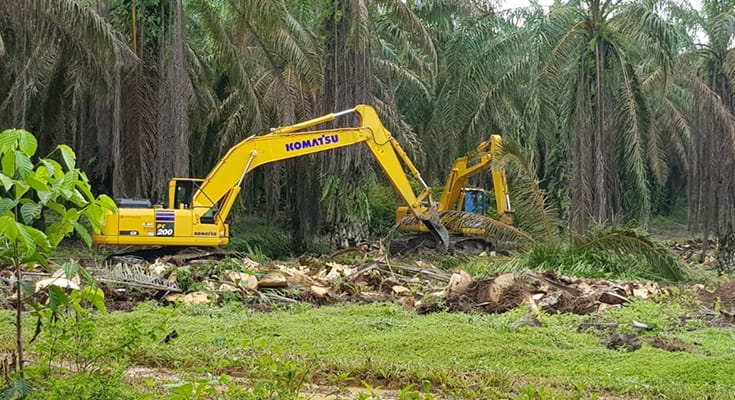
416, 285
695, 251
420, 286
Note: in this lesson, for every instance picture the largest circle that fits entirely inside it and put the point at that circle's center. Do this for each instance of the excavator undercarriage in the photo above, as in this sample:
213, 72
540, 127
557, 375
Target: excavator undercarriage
469, 234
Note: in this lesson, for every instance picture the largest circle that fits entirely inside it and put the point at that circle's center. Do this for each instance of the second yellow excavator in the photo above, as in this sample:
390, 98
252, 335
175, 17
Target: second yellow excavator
197, 209
459, 203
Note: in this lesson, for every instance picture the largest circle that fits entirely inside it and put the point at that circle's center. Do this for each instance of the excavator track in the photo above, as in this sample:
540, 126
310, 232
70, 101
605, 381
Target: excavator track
458, 245
426, 243
175, 254
496, 237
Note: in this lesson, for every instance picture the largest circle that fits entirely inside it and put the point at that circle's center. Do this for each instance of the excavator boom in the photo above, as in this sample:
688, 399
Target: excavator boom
198, 208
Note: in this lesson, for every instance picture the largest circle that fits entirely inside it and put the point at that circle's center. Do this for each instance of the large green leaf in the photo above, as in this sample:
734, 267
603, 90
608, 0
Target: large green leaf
83, 233
58, 230
26, 239
57, 298
6, 181
37, 258
68, 155
30, 211
83, 187
8, 163
107, 202
27, 142
54, 168
37, 237
23, 163
39, 184
67, 185
8, 139
95, 296
44, 196
8, 228
6, 205
78, 199
21, 187
56, 207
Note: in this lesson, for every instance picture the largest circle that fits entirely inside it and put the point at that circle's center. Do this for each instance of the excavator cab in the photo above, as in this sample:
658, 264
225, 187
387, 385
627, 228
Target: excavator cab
181, 192
473, 200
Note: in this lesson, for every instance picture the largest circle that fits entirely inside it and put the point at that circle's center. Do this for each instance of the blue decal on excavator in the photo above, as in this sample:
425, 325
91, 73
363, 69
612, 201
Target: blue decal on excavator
308, 143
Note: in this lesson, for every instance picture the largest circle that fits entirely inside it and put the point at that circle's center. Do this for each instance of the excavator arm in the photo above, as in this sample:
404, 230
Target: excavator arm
470, 165
200, 218
225, 179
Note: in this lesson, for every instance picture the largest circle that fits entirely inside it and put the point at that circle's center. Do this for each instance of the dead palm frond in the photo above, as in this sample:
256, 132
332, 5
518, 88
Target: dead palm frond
493, 230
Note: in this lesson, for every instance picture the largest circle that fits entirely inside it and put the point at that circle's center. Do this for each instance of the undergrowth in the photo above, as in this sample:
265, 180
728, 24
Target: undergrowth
236, 353
628, 254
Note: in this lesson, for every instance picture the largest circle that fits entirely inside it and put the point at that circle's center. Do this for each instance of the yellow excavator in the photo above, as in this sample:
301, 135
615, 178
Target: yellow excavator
197, 209
459, 203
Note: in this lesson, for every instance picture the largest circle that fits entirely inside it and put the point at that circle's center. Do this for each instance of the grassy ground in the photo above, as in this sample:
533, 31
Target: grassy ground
454, 355
215, 352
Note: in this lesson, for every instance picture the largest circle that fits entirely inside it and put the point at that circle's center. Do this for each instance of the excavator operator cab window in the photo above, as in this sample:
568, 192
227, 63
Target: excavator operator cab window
184, 192
475, 201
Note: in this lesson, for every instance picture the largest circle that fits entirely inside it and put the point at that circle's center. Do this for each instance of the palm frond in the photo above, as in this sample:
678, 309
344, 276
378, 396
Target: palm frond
407, 17
635, 120
530, 208
404, 75
359, 35
79, 21
609, 254
635, 244
711, 101
494, 231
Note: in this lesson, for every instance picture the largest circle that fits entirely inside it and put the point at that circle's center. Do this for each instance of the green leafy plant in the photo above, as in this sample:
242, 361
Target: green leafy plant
41, 202
70, 336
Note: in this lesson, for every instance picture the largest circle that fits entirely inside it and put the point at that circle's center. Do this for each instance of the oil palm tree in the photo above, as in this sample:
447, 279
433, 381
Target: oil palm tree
596, 51
440, 103
152, 95
57, 65
257, 65
708, 64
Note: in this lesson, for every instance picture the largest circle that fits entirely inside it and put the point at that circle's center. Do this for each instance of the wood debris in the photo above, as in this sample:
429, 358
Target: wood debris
365, 278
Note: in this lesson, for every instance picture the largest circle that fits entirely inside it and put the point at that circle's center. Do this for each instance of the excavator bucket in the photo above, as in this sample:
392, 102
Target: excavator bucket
440, 233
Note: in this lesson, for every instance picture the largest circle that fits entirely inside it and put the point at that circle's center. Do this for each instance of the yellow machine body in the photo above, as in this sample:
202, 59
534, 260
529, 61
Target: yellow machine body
453, 195
197, 209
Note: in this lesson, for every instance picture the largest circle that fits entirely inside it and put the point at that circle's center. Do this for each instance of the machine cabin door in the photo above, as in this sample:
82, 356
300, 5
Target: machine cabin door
182, 192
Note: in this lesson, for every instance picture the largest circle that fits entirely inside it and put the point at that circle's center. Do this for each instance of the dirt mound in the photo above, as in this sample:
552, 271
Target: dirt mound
672, 344
722, 297
547, 291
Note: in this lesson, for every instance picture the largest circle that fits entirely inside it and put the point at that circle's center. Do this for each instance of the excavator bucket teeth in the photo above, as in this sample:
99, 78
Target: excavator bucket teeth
437, 230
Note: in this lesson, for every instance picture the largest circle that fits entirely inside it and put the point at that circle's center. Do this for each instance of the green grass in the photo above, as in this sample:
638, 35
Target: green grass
469, 356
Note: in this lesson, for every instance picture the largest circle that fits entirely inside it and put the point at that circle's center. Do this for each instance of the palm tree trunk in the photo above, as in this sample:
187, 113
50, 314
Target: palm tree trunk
582, 163
118, 178
600, 194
